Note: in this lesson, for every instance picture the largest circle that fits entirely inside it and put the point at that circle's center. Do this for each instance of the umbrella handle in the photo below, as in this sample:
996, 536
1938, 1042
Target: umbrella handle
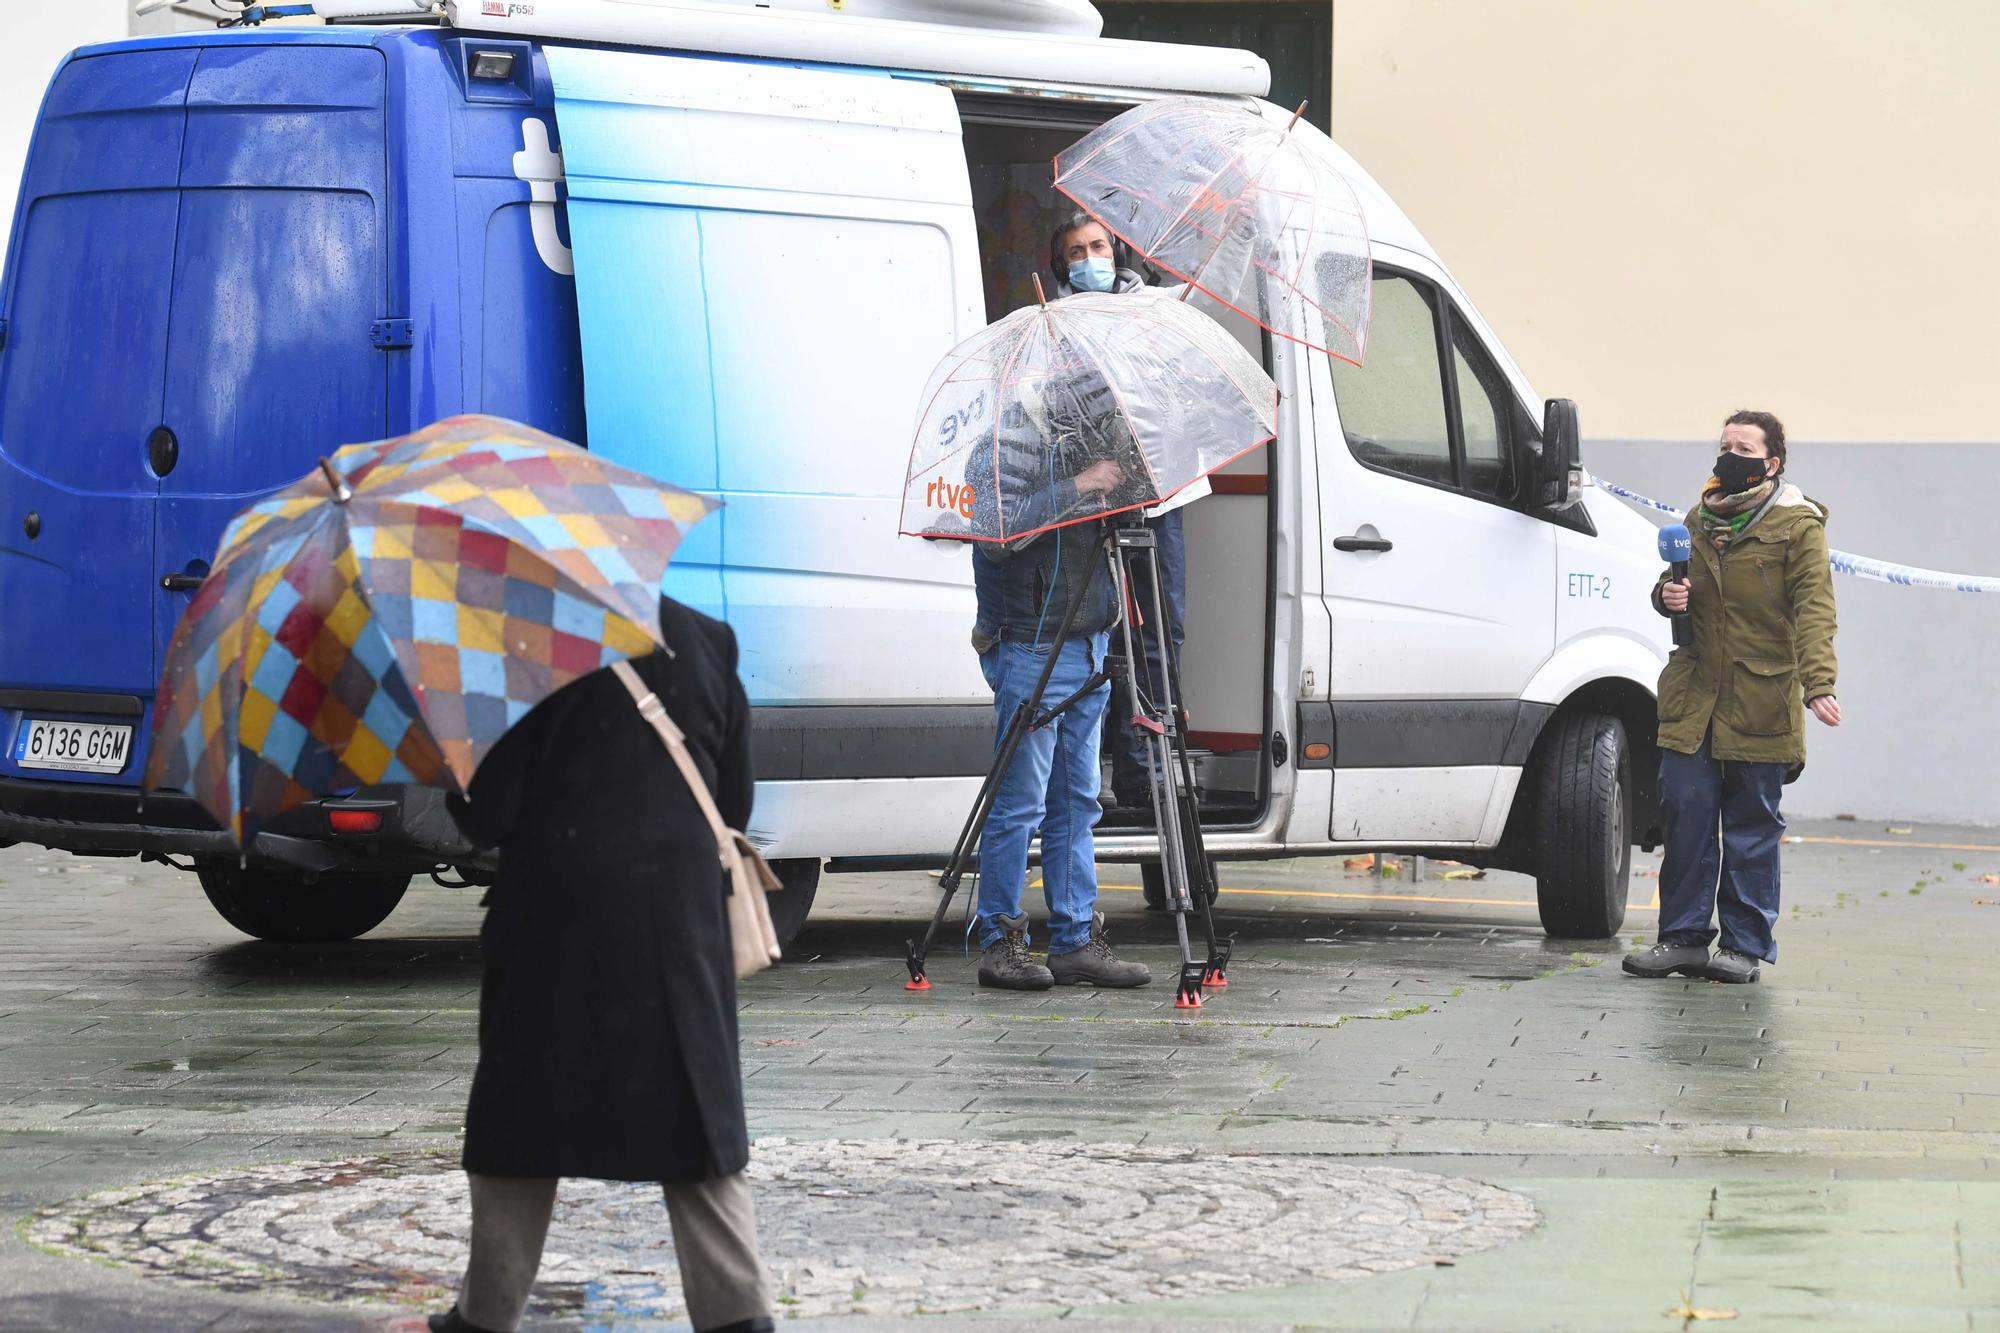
342, 492
1041, 297
1295, 117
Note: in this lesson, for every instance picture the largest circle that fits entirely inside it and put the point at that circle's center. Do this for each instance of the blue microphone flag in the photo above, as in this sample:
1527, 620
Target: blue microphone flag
1676, 545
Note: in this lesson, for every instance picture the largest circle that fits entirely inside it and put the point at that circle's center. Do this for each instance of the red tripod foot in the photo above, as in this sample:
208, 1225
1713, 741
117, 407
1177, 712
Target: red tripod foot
1214, 980
917, 983
1188, 1000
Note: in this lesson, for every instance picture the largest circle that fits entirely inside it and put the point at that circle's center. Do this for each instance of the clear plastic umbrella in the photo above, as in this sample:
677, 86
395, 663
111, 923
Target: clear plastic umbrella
1082, 407
1253, 213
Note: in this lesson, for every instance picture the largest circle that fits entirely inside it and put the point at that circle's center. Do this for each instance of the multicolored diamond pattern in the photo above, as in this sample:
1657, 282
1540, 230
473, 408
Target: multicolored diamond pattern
392, 636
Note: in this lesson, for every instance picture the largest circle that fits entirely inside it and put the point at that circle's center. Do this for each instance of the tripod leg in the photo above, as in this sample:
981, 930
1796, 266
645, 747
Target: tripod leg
1161, 777
1216, 974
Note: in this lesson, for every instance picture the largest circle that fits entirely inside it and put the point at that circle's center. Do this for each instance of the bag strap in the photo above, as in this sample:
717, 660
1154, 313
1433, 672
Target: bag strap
655, 712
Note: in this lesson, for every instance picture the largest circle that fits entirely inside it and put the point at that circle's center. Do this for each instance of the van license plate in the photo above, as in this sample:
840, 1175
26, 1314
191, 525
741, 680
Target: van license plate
83, 747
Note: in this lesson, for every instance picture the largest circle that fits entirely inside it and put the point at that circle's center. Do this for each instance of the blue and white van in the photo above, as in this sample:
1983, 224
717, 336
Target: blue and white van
725, 243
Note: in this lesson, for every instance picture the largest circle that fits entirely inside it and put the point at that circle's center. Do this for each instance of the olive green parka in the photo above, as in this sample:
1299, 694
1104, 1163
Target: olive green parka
1763, 638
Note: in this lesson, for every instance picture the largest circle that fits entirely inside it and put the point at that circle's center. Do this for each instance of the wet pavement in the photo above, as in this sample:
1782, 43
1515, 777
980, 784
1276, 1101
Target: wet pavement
1409, 1109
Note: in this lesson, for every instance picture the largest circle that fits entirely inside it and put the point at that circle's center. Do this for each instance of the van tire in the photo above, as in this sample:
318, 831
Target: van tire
791, 904
1583, 847
281, 905
1153, 884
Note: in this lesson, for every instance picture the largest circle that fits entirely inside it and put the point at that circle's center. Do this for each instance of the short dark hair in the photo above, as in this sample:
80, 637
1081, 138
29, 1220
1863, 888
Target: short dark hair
1774, 431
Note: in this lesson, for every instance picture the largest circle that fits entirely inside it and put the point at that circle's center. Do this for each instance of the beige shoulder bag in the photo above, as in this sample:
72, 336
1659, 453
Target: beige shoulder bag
751, 935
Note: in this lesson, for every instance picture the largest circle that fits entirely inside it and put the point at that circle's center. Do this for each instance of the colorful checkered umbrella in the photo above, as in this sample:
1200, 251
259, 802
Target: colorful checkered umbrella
384, 620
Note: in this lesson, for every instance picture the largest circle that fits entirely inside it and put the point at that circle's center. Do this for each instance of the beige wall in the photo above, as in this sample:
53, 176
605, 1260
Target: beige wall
1670, 208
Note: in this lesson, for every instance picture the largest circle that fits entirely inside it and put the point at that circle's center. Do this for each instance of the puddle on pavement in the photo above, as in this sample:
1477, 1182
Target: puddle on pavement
188, 1064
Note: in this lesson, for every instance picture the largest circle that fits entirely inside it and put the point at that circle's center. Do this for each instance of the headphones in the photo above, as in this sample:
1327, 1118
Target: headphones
1121, 253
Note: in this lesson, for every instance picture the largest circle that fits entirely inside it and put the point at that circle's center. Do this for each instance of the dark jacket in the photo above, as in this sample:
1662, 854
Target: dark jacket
1763, 638
607, 1012
1023, 593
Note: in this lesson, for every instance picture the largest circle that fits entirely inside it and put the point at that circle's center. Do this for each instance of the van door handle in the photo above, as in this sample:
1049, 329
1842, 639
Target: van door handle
180, 582
1363, 544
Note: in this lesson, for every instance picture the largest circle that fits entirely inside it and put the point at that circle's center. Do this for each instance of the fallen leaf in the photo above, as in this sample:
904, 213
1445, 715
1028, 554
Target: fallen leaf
1989, 879
1686, 1311
1982, 902
1464, 874
1647, 874
1899, 830
1358, 863
779, 1041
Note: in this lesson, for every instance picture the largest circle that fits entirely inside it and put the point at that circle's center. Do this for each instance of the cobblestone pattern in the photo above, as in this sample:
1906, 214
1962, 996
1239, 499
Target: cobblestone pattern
875, 1227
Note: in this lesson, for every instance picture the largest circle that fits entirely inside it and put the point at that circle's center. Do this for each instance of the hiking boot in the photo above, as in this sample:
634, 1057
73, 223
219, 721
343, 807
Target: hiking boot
1729, 965
1663, 960
1095, 965
1007, 964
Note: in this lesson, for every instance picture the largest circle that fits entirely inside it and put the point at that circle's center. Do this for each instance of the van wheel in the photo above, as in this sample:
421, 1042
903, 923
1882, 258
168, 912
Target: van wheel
791, 904
1153, 884
281, 905
1583, 853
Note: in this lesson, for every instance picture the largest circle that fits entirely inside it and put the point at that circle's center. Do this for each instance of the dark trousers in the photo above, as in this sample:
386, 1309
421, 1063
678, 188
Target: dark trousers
1723, 834
1125, 741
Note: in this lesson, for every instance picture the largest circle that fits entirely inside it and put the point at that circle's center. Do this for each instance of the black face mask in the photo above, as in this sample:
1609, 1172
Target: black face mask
1737, 473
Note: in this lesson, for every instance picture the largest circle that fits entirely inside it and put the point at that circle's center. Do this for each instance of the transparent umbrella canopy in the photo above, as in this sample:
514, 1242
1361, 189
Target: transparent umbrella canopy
1066, 412
1254, 214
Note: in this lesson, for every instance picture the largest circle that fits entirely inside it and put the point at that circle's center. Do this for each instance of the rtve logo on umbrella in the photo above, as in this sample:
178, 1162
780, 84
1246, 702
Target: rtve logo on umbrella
941, 494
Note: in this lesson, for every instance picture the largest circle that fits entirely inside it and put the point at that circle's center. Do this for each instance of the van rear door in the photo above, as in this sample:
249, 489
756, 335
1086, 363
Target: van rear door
81, 371
769, 262
87, 308
278, 278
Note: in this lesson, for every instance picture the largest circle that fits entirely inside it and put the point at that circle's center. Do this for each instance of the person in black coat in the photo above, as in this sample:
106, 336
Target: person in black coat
607, 1011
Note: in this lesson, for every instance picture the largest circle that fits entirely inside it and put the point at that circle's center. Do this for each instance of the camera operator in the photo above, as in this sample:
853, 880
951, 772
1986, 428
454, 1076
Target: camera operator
1024, 587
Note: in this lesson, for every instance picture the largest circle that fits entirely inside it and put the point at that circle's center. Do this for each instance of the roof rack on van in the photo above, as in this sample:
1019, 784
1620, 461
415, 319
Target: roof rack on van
1045, 41
242, 13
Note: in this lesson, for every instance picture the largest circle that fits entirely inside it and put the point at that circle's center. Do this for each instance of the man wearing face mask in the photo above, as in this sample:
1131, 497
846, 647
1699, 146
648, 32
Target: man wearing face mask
1085, 257
1759, 593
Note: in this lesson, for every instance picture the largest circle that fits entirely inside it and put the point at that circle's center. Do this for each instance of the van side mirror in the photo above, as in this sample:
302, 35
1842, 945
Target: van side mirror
1559, 472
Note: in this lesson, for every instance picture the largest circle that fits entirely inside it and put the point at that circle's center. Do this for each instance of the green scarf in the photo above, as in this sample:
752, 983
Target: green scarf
1722, 518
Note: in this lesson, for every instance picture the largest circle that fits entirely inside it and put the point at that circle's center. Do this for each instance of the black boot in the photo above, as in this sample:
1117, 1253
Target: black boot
454, 1322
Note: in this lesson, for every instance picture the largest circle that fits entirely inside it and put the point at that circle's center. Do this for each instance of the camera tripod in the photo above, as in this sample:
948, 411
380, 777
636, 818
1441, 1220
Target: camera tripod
1169, 772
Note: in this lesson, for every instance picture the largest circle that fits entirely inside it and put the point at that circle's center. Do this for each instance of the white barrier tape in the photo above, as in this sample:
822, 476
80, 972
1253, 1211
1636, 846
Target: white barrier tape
1860, 566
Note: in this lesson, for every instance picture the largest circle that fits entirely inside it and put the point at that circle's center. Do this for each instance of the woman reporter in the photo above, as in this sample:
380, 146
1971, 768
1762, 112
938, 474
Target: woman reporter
1732, 705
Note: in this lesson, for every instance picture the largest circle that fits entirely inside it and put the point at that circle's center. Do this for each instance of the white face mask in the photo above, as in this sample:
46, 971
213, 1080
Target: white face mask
1092, 274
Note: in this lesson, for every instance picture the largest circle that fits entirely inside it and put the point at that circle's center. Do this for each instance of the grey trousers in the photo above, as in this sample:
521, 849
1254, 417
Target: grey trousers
715, 1238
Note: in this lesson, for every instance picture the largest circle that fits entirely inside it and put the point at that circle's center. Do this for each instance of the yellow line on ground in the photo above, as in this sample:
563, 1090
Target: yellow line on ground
1904, 842
1653, 906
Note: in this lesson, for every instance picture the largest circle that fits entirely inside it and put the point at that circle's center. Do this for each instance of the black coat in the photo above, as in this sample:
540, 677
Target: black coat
607, 1013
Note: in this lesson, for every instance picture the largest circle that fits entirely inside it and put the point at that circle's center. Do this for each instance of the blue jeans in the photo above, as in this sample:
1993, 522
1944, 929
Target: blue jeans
1125, 741
1723, 833
1051, 786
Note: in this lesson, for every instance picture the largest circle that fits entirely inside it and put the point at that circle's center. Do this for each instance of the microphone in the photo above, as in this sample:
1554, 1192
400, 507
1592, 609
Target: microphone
1676, 547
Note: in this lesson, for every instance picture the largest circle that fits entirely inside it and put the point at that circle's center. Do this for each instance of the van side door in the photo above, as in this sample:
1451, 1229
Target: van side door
769, 262
1439, 581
